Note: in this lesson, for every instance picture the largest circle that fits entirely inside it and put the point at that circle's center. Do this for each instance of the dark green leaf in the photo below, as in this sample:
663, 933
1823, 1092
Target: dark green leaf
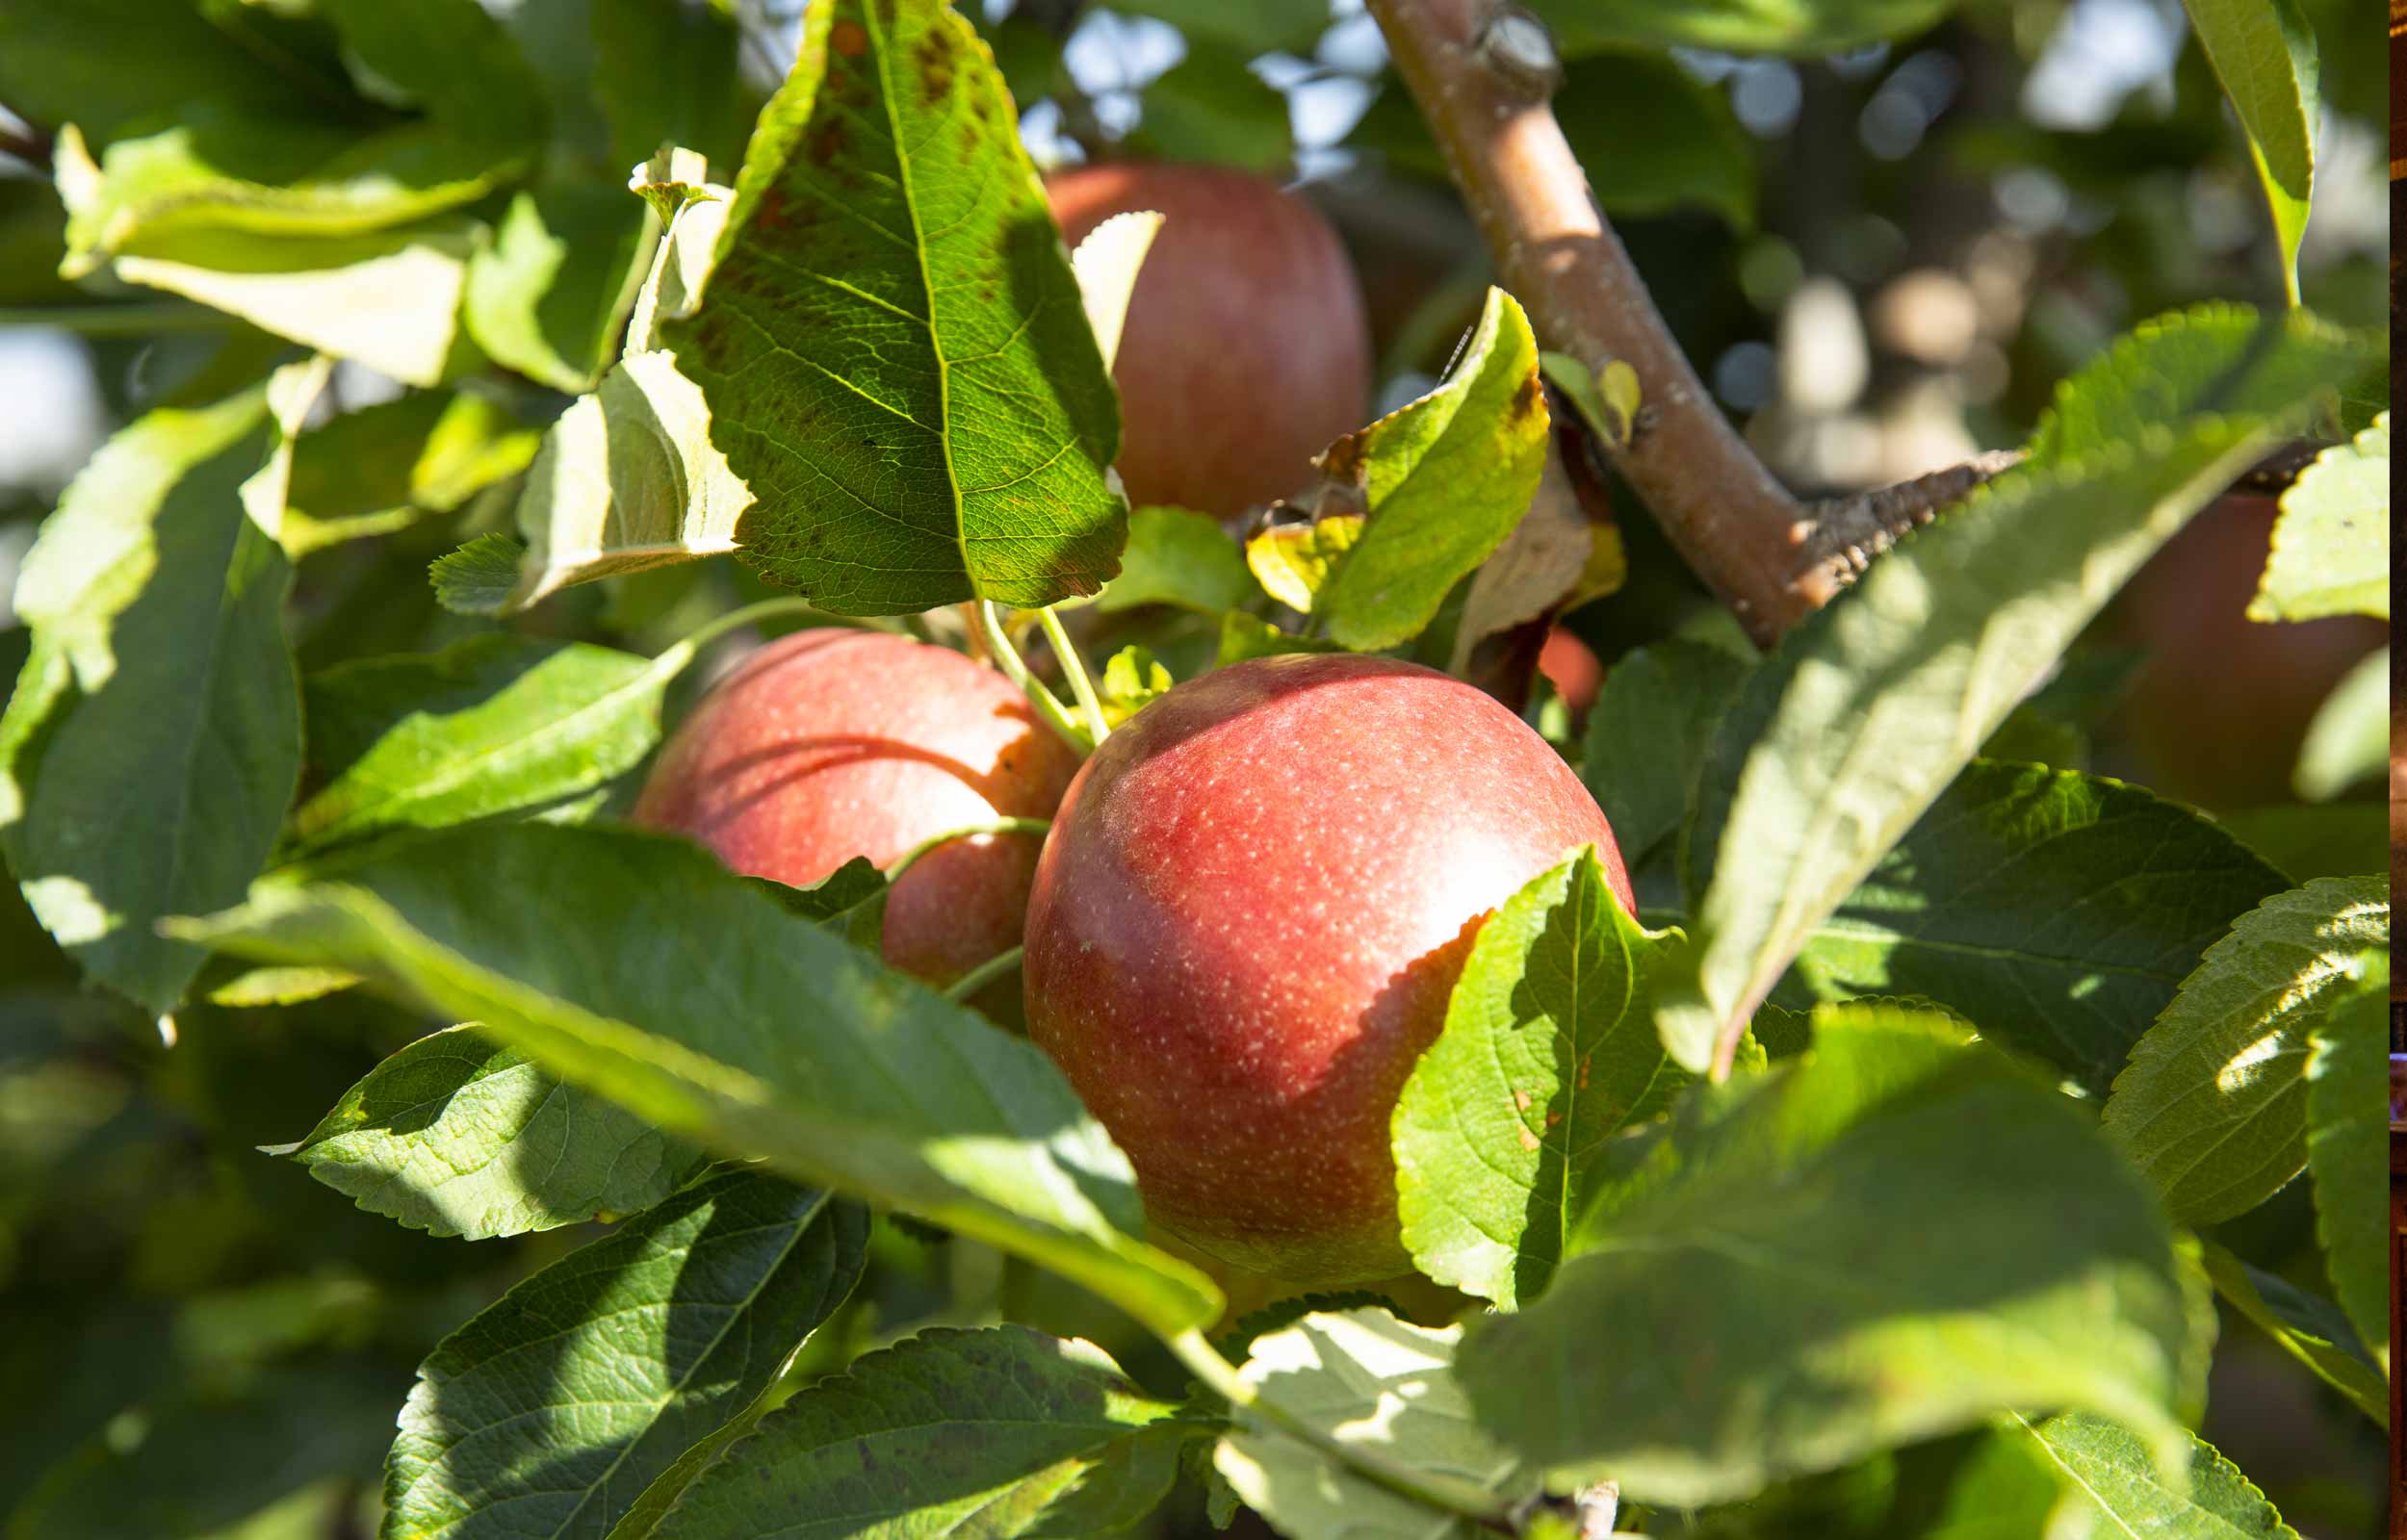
1211, 107
2348, 1139
456, 1135
1256, 26
154, 737
759, 1037
665, 74
1647, 735
384, 467
2264, 50
1444, 479
1548, 1050
1890, 1238
479, 576
2313, 1330
453, 59
893, 349
1800, 27
549, 1413
2213, 1106
487, 726
1243, 636
986, 1435
2332, 839
2057, 911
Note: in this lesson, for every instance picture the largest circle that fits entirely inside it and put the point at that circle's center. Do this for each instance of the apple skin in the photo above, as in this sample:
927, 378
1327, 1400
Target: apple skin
1245, 351
832, 743
1571, 667
1254, 904
2222, 702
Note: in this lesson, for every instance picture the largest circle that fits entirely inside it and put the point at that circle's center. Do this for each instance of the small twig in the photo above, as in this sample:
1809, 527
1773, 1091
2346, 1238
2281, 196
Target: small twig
984, 974
1481, 72
911, 858
27, 143
1846, 532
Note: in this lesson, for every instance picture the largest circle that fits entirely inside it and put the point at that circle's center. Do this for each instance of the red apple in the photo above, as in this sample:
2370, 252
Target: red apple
833, 743
2222, 702
1245, 351
1571, 667
1254, 904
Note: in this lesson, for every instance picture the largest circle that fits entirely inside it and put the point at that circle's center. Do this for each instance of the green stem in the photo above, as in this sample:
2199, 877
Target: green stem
1007, 658
1000, 826
1074, 668
984, 974
1444, 1493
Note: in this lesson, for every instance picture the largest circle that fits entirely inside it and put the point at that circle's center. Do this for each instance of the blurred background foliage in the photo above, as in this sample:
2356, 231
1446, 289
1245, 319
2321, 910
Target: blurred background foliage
1880, 253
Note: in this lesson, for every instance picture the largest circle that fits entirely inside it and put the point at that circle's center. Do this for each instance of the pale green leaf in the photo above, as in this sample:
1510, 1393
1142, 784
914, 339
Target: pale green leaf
2264, 53
548, 293
692, 212
389, 299
1106, 264
1294, 562
154, 736
1375, 1383
1177, 557
653, 975
1443, 478
2213, 1106
2348, 742
2115, 1479
550, 1412
1000, 1434
2332, 544
1548, 1050
892, 343
1891, 1237
457, 1135
487, 726
383, 468
2347, 1145
2313, 1330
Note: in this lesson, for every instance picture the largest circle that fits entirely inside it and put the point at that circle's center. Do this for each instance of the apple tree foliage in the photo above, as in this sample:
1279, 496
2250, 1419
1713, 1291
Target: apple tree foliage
1906, 1158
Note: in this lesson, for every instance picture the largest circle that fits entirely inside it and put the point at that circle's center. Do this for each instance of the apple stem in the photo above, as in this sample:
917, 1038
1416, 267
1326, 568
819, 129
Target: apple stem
1006, 658
1000, 826
1075, 667
1428, 1488
985, 973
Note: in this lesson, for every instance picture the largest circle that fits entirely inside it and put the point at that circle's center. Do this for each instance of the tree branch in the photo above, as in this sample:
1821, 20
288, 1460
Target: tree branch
1481, 72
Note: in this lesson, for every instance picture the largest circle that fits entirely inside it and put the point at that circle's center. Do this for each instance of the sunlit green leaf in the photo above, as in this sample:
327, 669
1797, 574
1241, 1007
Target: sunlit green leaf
2332, 544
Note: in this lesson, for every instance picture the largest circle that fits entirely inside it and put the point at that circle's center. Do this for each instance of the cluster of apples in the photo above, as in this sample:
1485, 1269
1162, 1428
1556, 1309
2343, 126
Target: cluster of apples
1244, 924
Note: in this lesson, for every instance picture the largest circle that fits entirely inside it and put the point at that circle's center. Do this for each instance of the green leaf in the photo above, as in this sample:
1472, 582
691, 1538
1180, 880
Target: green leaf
2311, 1330
1889, 1238
2348, 1138
1294, 562
1177, 557
668, 75
1548, 1050
2213, 1106
757, 1038
2326, 839
1653, 138
1212, 107
1132, 680
2350, 738
456, 1135
1378, 1384
1799, 27
479, 576
985, 1435
692, 211
1647, 735
2264, 53
837, 895
2209, 358
384, 467
486, 725
2108, 1474
154, 737
1444, 479
1243, 636
388, 299
2331, 546
105, 65
1106, 265
552, 1410
453, 59
1254, 25
1841, 739
2059, 910
892, 345
548, 295
168, 1470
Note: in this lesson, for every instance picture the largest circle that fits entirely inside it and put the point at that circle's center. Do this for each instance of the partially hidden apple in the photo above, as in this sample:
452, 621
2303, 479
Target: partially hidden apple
1250, 913
1245, 350
832, 743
